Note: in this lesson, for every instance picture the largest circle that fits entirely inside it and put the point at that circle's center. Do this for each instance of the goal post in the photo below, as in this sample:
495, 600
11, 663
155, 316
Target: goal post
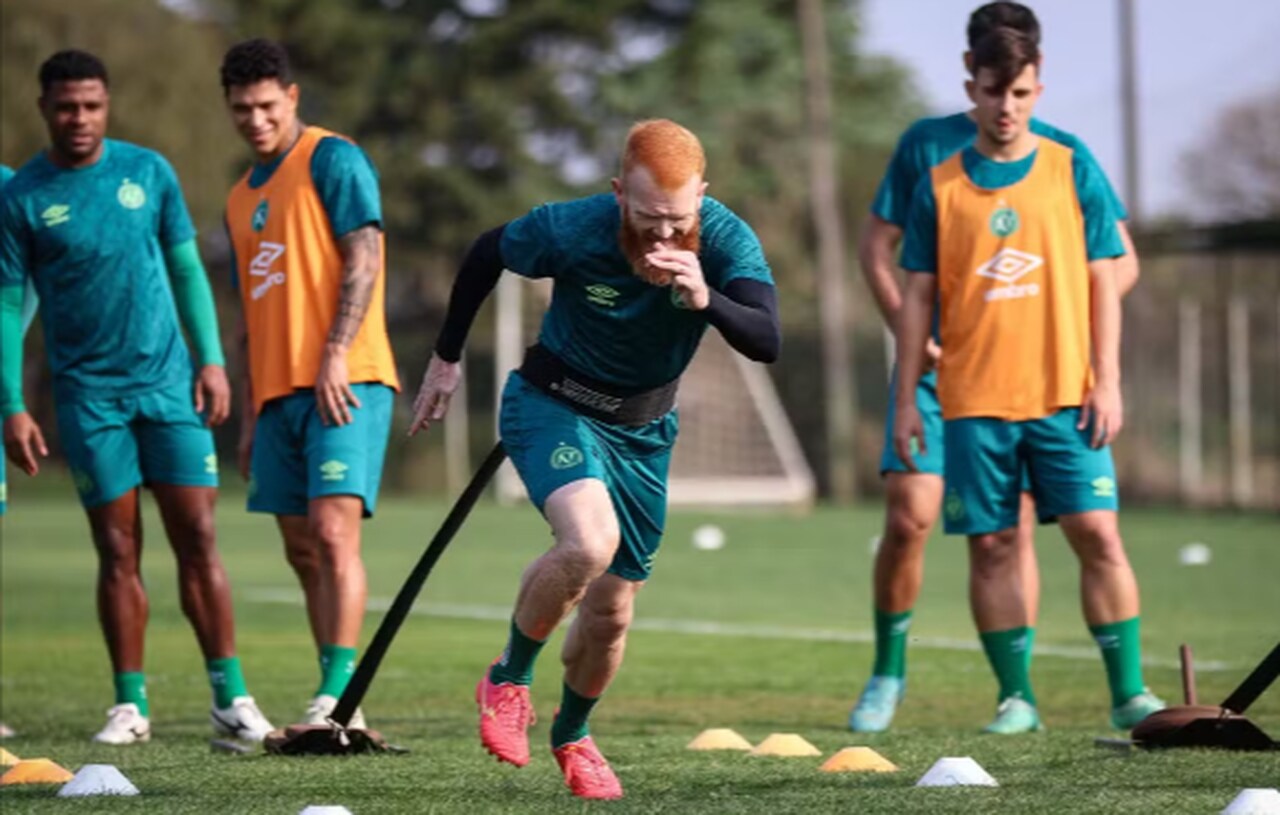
737, 446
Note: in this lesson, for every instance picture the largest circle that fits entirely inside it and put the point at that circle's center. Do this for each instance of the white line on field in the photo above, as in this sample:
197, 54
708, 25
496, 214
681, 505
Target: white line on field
467, 611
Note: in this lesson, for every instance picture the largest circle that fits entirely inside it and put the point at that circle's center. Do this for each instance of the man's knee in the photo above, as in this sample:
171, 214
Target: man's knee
906, 527
585, 527
1095, 537
335, 528
994, 552
606, 618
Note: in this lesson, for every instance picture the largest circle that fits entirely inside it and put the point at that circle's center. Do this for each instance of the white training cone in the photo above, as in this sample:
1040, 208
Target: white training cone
956, 772
1254, 802
325, 810
97, 779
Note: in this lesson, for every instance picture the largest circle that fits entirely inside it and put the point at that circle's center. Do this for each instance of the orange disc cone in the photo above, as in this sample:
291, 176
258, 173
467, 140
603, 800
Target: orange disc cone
36, 771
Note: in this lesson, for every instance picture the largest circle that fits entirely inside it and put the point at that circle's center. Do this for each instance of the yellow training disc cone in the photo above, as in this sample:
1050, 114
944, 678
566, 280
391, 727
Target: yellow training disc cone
7, 759
858, 760
719, 738
785, 744
36, 771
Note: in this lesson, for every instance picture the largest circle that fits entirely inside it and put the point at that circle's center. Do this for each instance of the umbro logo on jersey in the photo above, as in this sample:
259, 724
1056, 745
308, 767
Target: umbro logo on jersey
602, 295
1009, 266
56, 214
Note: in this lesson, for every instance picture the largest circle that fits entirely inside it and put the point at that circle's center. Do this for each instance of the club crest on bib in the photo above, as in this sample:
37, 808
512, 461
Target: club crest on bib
259, 220
1003, 222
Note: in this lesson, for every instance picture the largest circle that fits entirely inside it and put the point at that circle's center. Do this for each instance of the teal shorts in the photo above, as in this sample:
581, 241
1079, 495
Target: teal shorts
114, 445
297, 457
986, 459
934, 460
551, 445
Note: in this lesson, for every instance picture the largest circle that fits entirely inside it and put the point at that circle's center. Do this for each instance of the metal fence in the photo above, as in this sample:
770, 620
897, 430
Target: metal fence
1201, 361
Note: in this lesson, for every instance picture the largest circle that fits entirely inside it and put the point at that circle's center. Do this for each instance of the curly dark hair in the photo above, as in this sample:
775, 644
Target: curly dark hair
1002, 14
71, 66
254, 60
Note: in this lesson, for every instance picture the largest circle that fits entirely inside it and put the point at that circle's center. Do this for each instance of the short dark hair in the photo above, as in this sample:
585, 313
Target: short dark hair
1002, 14
252, 61
71, 66
1006, 53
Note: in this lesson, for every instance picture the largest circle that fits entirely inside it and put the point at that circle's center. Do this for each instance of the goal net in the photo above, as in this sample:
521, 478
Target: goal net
736, 445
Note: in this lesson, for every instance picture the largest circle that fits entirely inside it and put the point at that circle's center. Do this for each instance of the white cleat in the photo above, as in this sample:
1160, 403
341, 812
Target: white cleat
321, 708
125, 725
242, 720
6, 732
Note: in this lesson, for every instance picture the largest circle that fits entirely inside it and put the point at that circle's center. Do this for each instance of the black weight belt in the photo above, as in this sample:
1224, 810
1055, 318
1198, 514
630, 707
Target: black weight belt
594, 398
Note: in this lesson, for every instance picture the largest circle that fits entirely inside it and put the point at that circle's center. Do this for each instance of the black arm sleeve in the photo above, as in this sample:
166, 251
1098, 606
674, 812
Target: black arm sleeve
746, 313
477, 276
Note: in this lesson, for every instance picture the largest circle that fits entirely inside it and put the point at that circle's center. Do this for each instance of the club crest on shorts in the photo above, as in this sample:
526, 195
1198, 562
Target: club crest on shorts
565, 456
953, 506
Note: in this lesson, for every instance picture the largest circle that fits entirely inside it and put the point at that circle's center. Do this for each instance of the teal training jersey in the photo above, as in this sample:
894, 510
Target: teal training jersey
604, 320
1102, 239
30, 300
92, 240
929, 142
346, 181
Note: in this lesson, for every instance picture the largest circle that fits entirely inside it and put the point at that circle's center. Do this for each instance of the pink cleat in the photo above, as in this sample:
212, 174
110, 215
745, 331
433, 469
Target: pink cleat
586, 771
505, 716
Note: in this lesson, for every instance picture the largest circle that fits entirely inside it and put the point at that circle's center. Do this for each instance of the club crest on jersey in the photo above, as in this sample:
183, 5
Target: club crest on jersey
131, 195
1008, 266
677, 300
259, 220
1003, 222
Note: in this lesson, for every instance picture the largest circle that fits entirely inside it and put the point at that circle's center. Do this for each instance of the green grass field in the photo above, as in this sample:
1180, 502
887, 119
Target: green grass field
767, 635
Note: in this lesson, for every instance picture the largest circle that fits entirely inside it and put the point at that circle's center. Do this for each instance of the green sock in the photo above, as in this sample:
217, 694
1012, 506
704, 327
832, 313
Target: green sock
1122, 654
1006, 651
131, 686
570, 723
1031, 641
337, 663
227, 680
891, 643
516, 663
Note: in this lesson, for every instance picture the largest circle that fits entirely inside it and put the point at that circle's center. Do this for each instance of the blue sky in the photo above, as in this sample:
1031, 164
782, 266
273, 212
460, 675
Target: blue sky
1194, 57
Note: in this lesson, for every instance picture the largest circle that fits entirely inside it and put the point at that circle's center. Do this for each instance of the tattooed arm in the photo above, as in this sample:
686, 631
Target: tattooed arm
361, 265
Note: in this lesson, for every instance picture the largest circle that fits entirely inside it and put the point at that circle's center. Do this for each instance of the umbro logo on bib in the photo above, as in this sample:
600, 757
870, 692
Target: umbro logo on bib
1009, 266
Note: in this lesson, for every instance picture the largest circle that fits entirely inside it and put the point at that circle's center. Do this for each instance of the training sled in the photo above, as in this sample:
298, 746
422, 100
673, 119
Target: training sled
335, 737
1223, 726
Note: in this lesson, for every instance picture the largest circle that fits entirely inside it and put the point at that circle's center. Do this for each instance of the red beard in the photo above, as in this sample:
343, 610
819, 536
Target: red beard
635, 246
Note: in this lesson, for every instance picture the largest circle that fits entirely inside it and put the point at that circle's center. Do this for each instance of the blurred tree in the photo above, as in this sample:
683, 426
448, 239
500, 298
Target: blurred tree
1235, 172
